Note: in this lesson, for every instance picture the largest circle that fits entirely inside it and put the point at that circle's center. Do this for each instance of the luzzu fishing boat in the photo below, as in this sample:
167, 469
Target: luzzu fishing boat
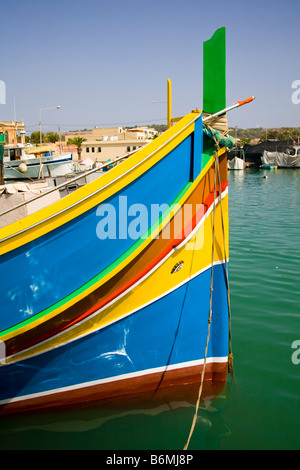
113, 289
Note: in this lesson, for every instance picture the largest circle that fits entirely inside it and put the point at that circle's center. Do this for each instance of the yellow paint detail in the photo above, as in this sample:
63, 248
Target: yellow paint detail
169, 103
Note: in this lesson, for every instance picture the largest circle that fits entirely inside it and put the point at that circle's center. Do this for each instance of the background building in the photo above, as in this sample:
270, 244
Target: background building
105, 150
106, 143
119, 133
12, 129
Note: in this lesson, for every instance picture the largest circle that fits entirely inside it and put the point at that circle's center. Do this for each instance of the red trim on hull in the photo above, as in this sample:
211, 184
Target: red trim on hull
153, 385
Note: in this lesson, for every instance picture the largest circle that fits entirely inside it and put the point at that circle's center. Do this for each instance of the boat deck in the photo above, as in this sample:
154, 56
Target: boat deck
19, 199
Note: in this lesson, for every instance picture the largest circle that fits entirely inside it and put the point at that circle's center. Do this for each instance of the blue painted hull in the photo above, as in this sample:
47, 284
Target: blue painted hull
131, 347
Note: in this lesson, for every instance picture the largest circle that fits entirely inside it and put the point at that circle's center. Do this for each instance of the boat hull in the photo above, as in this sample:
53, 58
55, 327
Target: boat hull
89, 313
162, 344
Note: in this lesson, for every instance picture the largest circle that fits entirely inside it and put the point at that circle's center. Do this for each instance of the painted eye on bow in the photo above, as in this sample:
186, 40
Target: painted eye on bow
177, 267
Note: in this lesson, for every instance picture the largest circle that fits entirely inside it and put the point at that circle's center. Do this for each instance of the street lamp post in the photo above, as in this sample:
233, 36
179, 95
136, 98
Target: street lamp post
42, 109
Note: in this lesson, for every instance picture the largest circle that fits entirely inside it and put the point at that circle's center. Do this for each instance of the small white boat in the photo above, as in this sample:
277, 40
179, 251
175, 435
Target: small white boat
238, 161
236, 164
22, 162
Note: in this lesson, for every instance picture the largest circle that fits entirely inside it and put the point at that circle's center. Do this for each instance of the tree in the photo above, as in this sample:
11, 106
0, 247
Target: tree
243, 141
78, 142
35, 137
52, 137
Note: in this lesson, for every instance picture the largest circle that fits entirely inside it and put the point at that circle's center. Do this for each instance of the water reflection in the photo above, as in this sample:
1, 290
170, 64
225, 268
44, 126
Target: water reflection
155, 422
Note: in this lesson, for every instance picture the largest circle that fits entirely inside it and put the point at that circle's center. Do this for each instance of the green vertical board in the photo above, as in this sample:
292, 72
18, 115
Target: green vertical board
214, 72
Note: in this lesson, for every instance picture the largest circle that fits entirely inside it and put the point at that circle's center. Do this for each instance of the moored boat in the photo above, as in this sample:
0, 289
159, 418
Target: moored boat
121, 287
26, 163
236, 163
288, 159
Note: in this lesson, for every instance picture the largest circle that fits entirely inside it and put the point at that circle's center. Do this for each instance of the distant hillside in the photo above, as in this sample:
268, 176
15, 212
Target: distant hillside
259, 134
159, 127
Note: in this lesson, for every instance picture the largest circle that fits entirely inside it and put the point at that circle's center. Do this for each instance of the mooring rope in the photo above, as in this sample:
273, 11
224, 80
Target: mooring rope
230, 354
209, 317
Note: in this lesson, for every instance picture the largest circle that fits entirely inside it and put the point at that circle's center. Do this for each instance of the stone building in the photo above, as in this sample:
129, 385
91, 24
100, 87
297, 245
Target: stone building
13, 129
106, 143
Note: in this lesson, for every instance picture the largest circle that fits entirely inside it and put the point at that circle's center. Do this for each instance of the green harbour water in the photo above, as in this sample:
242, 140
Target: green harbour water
260, 407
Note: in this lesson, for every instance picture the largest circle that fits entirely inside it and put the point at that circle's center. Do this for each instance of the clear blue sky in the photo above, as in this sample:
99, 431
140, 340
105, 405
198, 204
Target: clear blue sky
104, 62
